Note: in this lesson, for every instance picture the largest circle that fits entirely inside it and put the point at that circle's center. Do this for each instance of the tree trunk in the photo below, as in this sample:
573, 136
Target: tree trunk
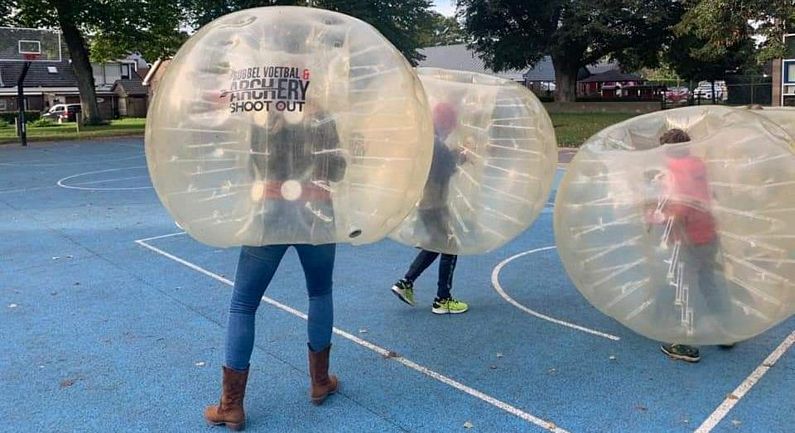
565, 80
80, 62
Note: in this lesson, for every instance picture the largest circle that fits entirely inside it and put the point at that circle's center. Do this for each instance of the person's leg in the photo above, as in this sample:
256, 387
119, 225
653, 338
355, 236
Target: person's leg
715, 290
689, 266
404, 287
255, 269
446, 270
318, 264
444, 302
420, 264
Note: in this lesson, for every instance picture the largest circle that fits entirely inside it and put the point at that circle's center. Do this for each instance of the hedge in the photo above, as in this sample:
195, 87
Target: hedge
30, 116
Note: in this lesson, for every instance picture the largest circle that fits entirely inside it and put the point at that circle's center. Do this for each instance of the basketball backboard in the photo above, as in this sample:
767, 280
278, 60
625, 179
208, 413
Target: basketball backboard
29, 45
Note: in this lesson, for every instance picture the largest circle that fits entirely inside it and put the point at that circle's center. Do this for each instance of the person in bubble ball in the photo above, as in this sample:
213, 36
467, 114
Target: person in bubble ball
685, 207
291, 157
434, 214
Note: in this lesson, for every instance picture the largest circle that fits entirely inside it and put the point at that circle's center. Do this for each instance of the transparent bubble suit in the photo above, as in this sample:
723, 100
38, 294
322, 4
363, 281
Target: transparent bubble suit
288, 125
494, 161
782, 116
687, 243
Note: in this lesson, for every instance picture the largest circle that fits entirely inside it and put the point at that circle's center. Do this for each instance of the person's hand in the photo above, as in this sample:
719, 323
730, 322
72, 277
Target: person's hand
462, 156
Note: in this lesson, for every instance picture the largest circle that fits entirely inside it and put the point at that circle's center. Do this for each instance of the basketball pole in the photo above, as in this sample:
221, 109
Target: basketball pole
22, 128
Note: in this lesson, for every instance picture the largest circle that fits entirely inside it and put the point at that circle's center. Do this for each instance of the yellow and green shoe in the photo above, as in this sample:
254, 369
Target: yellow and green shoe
449, 306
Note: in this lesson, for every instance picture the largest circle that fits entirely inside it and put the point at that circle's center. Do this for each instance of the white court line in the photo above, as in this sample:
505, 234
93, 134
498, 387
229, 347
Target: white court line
59, 164
378, 349
119, 179
35, 188
495, 282
746, 385
62, 180
158, 237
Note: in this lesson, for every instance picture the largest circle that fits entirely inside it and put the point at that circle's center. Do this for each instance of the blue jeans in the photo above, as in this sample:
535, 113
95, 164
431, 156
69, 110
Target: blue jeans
255, 269
446, 269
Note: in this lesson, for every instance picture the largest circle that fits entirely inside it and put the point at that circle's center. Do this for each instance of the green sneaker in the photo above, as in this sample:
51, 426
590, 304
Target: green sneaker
404, 290
449, 306
681, 351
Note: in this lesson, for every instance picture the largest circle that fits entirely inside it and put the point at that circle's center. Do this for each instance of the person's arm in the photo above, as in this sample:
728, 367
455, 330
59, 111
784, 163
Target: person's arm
330, 157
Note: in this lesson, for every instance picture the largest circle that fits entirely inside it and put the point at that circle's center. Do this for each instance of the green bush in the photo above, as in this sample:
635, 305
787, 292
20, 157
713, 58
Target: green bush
42, 123
11, 116
4, 124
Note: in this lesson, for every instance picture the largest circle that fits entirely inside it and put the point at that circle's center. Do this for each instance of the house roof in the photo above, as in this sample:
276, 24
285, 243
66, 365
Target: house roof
152, 72
612, 75
38, 74
542, 71
130, 87
459, 57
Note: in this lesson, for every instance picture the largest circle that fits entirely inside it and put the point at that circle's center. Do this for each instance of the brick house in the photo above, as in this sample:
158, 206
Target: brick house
50, 83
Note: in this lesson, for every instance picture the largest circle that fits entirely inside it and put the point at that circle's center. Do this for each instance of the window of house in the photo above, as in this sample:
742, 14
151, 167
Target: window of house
789, 77
125, 71
112, 72
789, 42
99, 73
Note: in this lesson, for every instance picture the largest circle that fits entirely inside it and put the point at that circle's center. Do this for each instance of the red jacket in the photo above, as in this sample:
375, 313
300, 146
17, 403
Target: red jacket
689, 198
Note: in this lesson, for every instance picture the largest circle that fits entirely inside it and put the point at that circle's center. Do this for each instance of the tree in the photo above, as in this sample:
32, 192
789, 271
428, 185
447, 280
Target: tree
402, 22
6, 11
687, 56
443, 31
724, 24
516, 34
116, 28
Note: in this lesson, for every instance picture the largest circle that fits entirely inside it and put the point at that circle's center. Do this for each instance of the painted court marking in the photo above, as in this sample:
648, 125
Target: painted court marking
746, 385
62, 184
63, 164
364, 343
495, 282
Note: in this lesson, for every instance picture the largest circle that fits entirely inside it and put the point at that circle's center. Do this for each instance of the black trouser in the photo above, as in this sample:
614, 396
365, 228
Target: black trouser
446, 269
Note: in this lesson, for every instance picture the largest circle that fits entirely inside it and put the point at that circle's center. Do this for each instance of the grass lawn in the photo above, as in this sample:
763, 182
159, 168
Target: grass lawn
66, 131
572, 129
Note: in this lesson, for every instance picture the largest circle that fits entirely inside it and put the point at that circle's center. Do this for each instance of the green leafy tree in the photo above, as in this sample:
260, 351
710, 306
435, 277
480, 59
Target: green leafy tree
516, 34
6, 12
443, 31
687, 56
404, 23
112, 27
723, 25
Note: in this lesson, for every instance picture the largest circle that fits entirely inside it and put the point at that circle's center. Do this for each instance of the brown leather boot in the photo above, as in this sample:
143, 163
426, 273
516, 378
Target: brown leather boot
230, 410
322, 383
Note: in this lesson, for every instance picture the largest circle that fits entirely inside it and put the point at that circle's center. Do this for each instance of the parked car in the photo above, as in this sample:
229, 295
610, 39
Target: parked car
677, 94
62, 113
704, 91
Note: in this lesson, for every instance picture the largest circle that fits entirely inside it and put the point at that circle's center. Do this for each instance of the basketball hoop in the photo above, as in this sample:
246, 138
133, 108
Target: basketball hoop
30, 57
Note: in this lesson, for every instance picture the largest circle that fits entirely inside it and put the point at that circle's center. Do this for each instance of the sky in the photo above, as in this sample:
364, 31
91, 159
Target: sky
444, 7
